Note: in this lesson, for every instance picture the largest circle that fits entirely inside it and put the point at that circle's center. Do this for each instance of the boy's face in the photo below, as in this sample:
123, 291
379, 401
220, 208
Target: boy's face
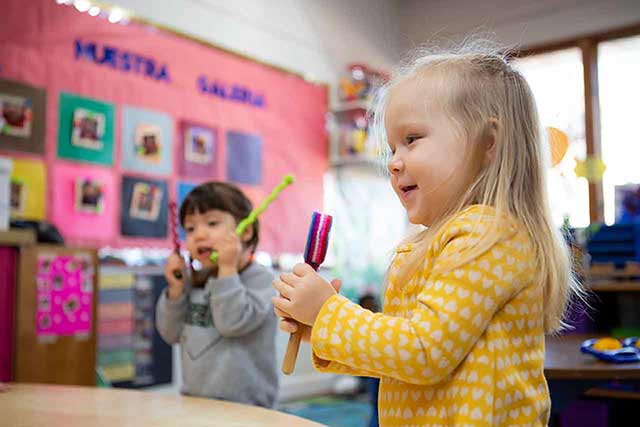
204, 230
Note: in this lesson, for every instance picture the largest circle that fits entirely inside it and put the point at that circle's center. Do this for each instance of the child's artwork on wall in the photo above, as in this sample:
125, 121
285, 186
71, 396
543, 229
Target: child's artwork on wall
89, 195
28, 189
244, 158
17, 197
145, 202
22, 120
88, 129
85, 203
64, 295
16, 115
144, 207
146, 141
85, 129
199, 145
199, 148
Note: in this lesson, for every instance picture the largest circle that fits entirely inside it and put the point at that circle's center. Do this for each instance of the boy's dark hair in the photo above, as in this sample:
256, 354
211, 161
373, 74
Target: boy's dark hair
224, 197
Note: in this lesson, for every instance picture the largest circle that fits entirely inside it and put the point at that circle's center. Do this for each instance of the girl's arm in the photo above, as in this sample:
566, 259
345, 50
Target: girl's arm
453, 311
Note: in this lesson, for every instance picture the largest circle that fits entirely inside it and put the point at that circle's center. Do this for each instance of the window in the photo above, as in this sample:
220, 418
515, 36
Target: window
619, 85
556, 80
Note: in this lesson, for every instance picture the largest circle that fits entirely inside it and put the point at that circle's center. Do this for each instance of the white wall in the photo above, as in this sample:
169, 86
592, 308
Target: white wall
312, 37
515, 22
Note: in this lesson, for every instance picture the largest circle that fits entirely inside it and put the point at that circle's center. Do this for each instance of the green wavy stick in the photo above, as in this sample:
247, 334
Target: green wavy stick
251, 218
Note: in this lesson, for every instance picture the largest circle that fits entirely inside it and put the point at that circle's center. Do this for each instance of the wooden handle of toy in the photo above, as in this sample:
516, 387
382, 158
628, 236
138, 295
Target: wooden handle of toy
292, 353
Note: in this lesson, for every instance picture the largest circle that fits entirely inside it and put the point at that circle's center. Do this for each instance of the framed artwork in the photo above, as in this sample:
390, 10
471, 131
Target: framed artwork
17, 197
148, 140
16, 115
85, 129
198, 158
145, 202
198, 146
85, 205
22, 117
89, 195
88, 129
144, 211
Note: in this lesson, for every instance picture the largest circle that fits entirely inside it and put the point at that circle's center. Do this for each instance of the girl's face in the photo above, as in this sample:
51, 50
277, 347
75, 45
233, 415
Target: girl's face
431, 164
203, 230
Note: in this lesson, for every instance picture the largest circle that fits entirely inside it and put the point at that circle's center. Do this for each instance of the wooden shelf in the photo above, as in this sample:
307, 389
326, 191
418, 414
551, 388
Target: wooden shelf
615, 286
17, 237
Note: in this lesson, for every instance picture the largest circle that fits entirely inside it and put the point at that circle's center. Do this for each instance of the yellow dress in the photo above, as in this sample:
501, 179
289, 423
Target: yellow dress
458, 348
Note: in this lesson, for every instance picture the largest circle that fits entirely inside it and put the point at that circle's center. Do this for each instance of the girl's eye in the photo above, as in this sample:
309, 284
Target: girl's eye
411, 138
189, 229
213, 223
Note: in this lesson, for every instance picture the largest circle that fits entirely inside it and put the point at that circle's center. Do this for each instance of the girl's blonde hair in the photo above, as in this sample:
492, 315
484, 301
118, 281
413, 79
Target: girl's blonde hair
477, 87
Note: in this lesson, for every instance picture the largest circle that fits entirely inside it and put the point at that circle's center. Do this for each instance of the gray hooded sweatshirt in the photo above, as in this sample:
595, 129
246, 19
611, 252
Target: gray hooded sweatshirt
227, 334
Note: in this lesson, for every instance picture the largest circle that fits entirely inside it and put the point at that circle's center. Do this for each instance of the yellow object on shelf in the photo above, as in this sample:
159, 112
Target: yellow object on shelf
607, 344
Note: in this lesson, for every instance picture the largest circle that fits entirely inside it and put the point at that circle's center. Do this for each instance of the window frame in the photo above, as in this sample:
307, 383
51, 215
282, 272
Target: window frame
588, 45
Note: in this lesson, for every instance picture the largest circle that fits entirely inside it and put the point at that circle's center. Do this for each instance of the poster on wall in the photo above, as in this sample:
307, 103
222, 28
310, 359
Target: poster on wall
143, 210
198, 151
146, 141
244, 158
85, 129
22, 118
28, 189
64, 295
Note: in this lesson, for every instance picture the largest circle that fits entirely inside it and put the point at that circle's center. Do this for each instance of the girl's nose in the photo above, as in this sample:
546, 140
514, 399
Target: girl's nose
395, 165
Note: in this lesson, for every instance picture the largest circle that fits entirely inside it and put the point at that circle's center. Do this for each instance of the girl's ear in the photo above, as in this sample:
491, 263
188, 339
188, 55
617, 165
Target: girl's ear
490, 141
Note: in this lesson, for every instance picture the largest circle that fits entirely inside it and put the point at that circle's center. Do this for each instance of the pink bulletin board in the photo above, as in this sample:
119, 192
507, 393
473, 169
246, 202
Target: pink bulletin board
57, 48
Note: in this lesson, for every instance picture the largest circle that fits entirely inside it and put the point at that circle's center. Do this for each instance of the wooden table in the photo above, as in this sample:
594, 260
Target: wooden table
564, 361
36, 405
571, 374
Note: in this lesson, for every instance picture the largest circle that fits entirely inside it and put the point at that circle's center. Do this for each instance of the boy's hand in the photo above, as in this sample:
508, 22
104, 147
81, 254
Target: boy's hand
302, 293
175, 262
229, 248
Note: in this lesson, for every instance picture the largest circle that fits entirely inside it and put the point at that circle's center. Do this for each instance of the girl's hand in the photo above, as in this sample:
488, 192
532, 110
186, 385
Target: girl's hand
302, 293
229, 248
176, 286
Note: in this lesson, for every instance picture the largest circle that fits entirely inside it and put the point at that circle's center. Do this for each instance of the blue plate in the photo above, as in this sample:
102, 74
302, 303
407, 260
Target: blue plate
627, 354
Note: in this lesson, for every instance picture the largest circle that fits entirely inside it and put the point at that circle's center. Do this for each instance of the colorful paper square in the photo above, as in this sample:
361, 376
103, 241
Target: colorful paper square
146, 141
28, 189
85, 129
198, 151
143, 210
22, 117
244, 158
84, 206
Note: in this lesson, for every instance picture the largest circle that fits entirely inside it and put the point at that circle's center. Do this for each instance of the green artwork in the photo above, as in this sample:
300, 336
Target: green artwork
85, 129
